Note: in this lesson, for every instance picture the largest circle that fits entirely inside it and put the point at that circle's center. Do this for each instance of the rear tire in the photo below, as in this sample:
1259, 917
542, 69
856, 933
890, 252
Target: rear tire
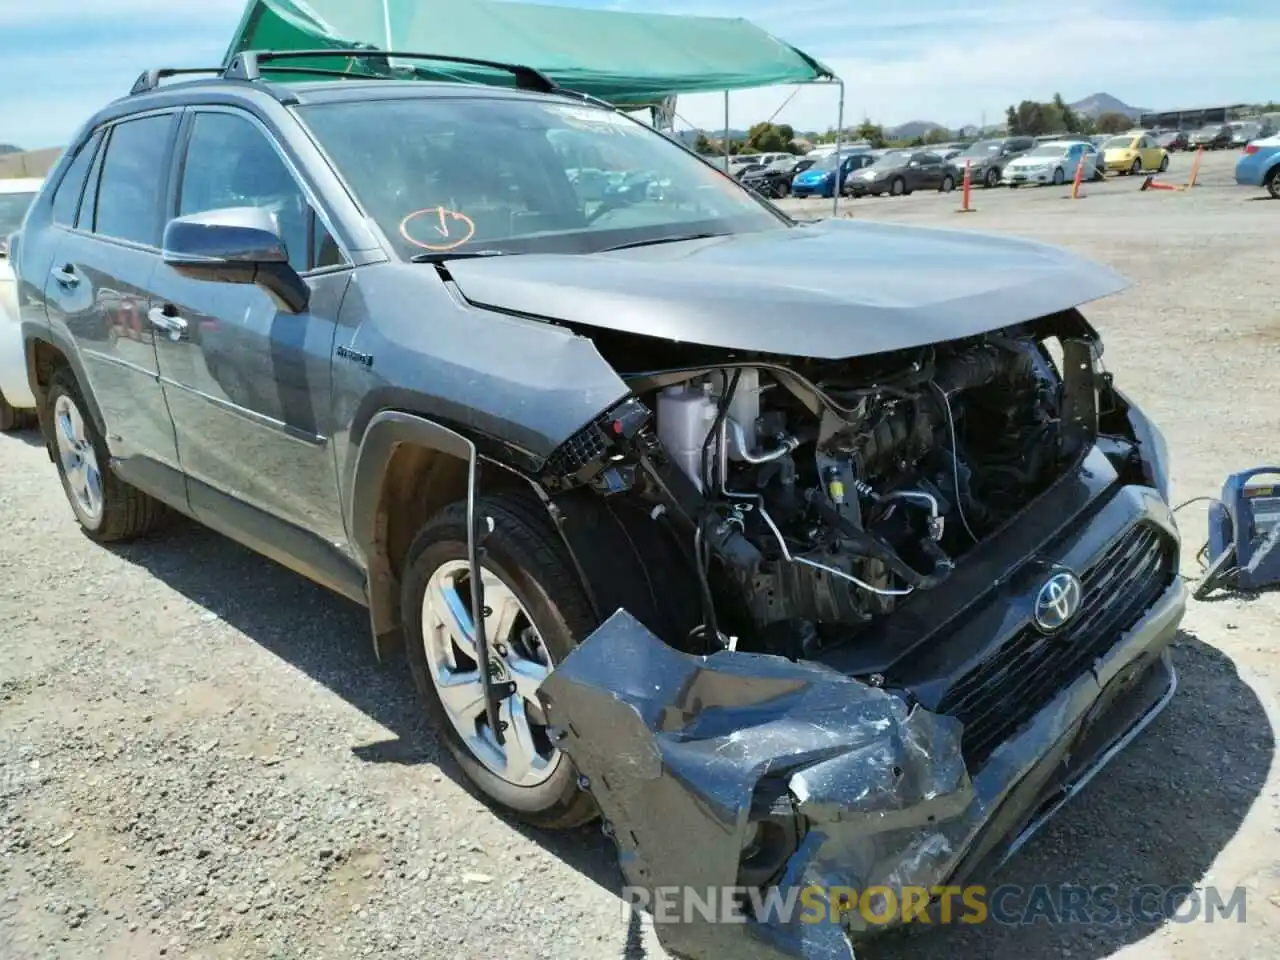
525, 560
1273, 183
948, 184
991, 178
897, 187
1164, 164
1136, 167
1059, 178
107, 509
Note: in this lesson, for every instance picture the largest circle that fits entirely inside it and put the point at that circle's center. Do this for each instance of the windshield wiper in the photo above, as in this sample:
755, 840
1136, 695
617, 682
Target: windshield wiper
440, 256
656, 240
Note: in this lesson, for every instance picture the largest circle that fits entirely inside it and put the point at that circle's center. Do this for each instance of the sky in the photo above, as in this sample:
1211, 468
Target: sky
935, 60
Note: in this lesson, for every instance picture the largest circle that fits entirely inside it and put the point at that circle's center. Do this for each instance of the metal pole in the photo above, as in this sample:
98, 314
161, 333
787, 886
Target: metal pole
835, 193
386, 21
726, 131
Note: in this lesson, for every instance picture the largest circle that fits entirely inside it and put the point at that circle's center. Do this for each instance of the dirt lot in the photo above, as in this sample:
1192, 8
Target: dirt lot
199, 756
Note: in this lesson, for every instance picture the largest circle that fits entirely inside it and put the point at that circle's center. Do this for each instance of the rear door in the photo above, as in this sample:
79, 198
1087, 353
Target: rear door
98, 293
250, 385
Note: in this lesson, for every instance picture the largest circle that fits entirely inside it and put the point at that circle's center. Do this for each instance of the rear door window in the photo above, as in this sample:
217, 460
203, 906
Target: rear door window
131, 186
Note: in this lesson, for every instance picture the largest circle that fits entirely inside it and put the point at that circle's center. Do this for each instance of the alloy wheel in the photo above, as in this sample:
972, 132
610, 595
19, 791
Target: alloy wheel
79, 460
516, 654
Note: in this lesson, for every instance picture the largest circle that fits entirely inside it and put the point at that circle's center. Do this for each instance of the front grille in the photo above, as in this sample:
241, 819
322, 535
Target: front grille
998, 697
585, 446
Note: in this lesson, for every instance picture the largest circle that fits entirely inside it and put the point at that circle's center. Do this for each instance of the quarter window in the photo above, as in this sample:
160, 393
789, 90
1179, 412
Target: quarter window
133, 176
231, 163
67, 198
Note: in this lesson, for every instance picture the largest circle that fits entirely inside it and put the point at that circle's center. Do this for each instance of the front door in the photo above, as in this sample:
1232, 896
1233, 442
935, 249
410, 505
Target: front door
249, 385
98, 292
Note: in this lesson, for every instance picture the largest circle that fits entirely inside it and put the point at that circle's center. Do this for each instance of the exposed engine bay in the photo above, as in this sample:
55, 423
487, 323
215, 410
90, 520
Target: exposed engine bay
817, 496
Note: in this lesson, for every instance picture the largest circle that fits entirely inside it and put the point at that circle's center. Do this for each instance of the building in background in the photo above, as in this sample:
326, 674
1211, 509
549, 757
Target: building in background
1190, 118
29, 163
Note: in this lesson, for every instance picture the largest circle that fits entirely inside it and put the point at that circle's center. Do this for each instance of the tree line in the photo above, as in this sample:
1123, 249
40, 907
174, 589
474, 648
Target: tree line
1028, 118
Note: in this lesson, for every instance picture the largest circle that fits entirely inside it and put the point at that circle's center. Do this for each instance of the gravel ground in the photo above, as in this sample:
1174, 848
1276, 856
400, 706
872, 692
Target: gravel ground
199, 756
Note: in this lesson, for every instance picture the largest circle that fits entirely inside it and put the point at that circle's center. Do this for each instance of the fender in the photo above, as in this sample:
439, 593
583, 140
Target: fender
51, 337
386, 431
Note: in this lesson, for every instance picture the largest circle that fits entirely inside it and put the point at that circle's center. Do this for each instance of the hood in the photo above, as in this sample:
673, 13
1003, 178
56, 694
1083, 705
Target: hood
830, 289
1033, 161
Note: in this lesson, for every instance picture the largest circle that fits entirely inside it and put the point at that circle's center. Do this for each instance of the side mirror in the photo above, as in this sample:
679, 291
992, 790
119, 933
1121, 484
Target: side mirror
235, 245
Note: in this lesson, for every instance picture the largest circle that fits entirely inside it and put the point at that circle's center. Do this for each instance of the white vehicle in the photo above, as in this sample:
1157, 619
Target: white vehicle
17, 405
1051, 162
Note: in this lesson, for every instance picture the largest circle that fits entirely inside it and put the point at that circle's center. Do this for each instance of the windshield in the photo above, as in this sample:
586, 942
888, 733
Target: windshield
1118, 143
982, 148
829, 162
520, 176
894, 158
13, 207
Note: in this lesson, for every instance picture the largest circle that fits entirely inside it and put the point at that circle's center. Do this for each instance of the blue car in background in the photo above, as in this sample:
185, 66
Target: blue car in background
1259, 165
820, 179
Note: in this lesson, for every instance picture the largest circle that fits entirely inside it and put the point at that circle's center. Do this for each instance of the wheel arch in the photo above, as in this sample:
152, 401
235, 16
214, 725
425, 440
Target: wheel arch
407, 469
45, 356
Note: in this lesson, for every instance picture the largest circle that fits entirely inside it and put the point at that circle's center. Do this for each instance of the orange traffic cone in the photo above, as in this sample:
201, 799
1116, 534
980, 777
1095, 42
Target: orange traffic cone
968, 182
1195, 168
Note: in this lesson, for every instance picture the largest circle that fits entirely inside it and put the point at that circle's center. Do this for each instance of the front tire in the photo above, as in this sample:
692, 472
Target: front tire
536, 614
948, 184
897, 187
1059, 178
1164, 164
1136, 167
991, 178
107, 509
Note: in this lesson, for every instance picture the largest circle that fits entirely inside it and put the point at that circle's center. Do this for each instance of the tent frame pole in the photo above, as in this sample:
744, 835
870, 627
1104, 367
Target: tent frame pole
725, 142
839, 182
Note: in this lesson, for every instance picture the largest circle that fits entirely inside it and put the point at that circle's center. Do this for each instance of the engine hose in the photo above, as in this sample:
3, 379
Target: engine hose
867, 544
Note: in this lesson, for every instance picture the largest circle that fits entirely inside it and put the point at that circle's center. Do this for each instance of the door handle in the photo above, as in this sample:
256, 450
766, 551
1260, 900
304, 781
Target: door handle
167, 319
66, 276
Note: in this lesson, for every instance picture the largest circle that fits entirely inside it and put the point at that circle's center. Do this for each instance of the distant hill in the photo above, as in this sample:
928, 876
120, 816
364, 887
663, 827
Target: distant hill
9, 148
1100, 103
690, 137
912, 129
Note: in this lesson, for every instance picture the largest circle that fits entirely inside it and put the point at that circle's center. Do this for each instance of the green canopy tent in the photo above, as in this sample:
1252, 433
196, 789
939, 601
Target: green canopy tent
628, 59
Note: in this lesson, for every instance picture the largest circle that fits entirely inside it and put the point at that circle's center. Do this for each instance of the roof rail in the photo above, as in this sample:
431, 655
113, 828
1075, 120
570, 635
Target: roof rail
150, 79
249, 64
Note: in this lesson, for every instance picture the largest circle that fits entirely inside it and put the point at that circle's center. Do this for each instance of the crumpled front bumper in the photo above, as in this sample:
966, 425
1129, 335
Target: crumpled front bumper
679, 751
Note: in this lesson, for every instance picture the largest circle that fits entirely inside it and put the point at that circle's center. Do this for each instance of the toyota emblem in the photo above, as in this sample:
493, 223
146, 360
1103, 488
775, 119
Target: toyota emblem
1057, 601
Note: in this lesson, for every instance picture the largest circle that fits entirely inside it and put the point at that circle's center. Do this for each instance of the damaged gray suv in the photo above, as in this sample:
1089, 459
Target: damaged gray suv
802, 553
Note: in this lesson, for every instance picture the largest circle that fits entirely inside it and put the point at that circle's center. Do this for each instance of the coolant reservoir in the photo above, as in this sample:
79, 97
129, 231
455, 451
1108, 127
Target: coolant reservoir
685, 417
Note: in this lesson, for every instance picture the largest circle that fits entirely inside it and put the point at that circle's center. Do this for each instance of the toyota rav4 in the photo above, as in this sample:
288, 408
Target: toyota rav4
817, 553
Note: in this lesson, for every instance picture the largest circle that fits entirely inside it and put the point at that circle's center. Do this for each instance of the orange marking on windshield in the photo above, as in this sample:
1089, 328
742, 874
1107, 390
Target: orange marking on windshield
454, 228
